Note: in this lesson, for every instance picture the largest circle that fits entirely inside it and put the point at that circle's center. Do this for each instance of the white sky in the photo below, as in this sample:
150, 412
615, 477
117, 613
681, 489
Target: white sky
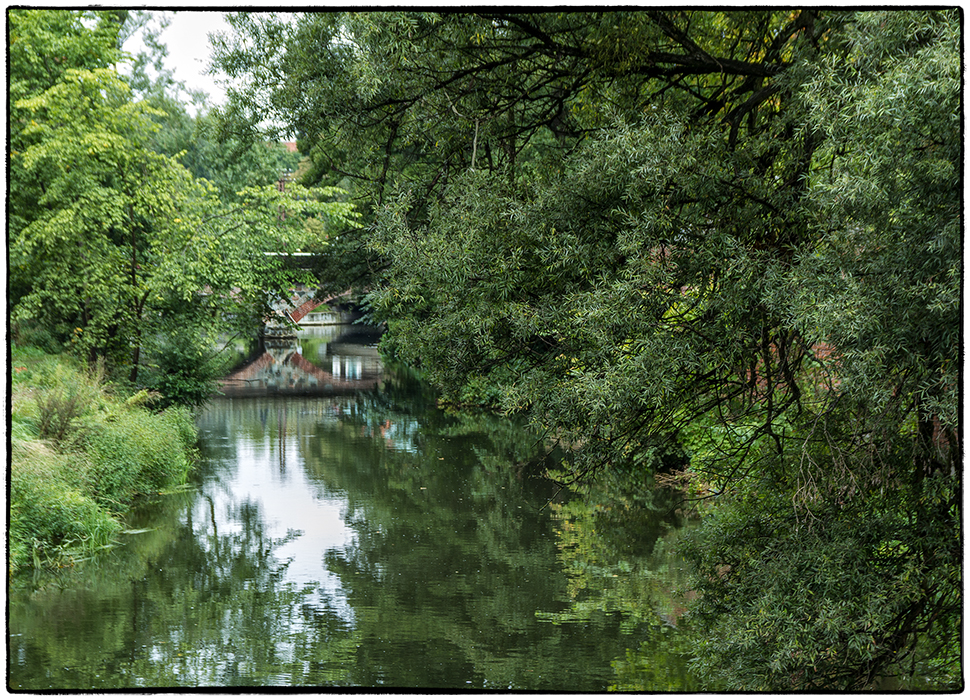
187, 39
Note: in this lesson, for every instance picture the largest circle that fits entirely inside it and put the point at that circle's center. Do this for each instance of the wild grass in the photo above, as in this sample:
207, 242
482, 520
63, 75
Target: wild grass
80, 457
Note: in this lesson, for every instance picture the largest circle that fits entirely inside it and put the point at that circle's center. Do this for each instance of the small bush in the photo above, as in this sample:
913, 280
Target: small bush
59, 411
183, 375
64, 398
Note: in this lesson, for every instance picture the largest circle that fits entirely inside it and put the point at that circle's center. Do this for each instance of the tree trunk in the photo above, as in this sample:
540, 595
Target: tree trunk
136, 352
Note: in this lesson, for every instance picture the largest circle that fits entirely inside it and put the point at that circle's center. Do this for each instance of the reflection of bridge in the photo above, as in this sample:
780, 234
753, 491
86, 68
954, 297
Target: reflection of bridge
284, 370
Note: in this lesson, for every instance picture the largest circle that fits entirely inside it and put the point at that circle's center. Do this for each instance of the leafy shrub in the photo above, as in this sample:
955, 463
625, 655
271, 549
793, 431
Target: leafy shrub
183, 375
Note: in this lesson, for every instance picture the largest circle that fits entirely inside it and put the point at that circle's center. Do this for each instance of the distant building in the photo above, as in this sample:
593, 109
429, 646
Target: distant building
290, 146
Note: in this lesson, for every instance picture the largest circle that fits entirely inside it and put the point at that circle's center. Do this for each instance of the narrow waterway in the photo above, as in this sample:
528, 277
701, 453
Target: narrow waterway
341, 531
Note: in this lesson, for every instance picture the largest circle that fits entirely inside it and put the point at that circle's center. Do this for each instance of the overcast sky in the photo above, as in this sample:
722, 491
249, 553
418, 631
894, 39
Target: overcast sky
187, 38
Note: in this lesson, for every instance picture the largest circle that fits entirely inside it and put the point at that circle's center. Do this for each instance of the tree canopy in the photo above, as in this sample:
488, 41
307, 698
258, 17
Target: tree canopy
730, 238
115, 246
716, 249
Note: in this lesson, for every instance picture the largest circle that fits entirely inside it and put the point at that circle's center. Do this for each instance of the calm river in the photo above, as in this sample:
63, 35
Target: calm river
341, 531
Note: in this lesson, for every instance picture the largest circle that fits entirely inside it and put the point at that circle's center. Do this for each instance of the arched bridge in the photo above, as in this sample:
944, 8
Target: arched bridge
303, 309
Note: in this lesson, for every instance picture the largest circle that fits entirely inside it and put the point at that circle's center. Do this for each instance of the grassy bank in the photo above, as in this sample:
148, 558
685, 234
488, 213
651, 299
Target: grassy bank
81, 454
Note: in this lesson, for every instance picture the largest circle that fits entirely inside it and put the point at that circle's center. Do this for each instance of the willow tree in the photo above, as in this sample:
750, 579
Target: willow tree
728, 237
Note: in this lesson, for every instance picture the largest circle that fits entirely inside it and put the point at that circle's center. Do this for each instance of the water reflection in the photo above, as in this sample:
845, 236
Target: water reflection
337, 362
331, 541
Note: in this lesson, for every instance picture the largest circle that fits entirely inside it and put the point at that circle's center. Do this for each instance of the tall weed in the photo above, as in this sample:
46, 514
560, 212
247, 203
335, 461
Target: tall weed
70, 395
50, 516
80, 456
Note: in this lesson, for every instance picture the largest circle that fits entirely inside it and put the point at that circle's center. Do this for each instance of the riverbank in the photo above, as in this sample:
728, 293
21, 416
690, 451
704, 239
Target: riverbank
354, 540
81, 453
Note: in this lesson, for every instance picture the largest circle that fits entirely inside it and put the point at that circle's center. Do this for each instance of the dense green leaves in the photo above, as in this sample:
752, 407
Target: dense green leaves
849, 595
42, 46
882, 277
860, 581
116, 247
731, 233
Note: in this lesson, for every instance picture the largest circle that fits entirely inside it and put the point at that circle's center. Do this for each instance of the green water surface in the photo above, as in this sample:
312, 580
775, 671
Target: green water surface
329, 539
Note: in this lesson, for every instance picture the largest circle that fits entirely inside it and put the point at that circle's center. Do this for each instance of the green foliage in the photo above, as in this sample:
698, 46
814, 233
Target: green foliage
46, 43
848, 595
60, 406
80, 455
43, 45
225, 160
734, 234
870, 484
881, 282
51, 517
135, 454
35, 336
184, 375
119, 247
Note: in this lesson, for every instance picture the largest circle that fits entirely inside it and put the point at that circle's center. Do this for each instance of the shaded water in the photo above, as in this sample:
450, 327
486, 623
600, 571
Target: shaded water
336, 534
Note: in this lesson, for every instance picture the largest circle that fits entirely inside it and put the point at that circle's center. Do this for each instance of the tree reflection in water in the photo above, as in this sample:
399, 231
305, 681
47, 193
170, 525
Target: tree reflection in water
366, 540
